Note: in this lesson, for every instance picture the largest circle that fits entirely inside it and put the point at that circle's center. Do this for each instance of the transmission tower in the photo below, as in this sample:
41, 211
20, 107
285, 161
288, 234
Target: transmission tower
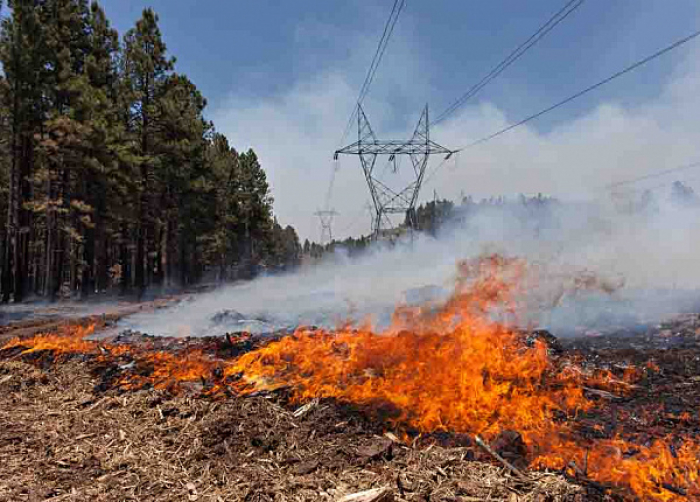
326, 218
387, 200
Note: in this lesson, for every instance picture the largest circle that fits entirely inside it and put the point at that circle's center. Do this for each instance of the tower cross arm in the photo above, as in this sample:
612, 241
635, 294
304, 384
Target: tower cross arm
368, 148
394, 147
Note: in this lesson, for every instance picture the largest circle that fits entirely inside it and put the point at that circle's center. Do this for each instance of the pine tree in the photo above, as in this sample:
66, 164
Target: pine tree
23, 54
180, 170
255, 212
100, 187
109, 173
223, 175
66, 147
146, 70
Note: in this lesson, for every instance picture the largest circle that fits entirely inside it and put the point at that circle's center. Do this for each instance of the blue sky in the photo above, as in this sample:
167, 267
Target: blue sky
281, 77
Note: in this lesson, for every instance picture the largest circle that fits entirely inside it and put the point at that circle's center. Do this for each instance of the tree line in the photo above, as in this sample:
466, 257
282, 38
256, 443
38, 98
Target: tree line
111, 178
534, 212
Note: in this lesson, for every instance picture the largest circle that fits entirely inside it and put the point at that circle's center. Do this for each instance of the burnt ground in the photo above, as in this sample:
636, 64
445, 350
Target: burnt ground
68, 433
666, 398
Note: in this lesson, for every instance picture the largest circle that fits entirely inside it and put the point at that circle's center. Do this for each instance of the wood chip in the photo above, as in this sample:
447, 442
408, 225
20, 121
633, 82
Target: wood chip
191, 492
375, 495
304, 468
392, 437
305, 409
602, 393
518, 473
381, 448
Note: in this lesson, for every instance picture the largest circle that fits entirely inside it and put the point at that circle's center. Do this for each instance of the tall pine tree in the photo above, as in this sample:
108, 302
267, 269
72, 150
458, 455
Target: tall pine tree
146, 69
24, 55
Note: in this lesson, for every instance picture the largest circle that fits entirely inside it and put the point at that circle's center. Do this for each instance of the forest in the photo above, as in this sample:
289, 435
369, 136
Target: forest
111, 178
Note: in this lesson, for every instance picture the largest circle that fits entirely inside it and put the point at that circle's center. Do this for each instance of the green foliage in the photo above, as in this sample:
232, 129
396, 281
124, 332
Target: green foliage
110, 176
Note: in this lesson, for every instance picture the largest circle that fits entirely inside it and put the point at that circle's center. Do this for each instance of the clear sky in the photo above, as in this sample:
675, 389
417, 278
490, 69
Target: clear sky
281, 77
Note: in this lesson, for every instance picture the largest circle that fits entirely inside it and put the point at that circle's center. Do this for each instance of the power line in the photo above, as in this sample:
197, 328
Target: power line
518, 52
586, 90
376, 60
388, 28
651, 175
381, 55
369, 78
664, 184
327, 200
432, 174
575, 96
359, 215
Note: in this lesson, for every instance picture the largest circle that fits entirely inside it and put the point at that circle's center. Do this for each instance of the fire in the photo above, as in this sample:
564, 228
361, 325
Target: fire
456, 368
168, 370
663, 471
158, 369
69, 340
453, 369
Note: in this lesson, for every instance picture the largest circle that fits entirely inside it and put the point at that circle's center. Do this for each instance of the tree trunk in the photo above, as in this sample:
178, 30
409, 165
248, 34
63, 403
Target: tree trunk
21, 247
100, 258
164, 258
10, 235
140, 245
11, 228
125, 261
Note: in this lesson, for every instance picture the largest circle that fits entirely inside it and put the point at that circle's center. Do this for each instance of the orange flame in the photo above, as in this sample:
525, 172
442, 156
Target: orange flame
448, 368
165, 369
457, 369
169, 370
454, 369
70, 339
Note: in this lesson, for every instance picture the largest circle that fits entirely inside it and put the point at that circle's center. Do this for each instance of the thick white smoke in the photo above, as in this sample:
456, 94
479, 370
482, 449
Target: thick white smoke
648, 256
644, 261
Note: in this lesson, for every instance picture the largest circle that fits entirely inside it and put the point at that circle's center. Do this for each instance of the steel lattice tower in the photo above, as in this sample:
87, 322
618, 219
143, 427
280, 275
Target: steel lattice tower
326, 218
387, 200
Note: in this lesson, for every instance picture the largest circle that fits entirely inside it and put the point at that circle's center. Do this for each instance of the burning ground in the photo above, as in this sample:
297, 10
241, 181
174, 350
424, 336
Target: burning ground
450, 402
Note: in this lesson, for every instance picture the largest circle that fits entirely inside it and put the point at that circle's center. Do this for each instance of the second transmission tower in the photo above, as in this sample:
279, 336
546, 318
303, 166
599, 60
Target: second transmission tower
326, 218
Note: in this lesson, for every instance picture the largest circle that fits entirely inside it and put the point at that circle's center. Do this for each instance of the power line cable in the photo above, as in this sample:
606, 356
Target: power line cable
516, 54
376, 60
329, 192
369, 78
657, 174
386, 44
378, 53
585, 91
432, 174
662, 185
614, 76
356, 218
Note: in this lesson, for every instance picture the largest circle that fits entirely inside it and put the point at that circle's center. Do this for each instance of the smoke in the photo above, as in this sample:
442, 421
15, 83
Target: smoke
636, 266
568, 155
591, 266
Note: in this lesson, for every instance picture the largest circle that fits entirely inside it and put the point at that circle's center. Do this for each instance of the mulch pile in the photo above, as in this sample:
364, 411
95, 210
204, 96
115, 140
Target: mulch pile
60, 439
68, 432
